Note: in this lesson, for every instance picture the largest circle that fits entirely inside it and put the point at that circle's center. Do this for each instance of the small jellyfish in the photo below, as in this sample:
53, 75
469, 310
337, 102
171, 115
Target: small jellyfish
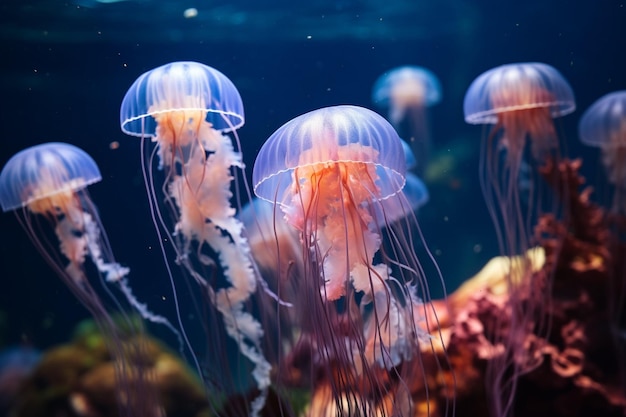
406, 92
331, 173
186, 109
46, 187
520, 101
604, 125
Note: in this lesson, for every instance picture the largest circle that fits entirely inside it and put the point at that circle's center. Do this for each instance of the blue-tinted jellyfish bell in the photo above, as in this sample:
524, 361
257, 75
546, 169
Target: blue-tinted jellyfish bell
604, 125
415, 192
520, 101
406, 92
330, 172
187, 108
49, 182
415, 195
403, 89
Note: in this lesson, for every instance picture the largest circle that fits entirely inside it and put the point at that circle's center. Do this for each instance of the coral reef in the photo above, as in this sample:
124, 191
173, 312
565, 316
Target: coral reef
573, 365
79, 380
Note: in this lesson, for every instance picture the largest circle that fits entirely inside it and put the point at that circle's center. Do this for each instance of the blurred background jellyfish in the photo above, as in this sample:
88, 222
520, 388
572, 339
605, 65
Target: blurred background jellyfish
46, 187
520, 101
405, 92
186, 108
604, 125
332, 174
415, 193
275, 246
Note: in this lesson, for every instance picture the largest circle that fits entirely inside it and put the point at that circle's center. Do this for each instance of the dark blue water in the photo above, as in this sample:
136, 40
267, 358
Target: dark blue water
64, 70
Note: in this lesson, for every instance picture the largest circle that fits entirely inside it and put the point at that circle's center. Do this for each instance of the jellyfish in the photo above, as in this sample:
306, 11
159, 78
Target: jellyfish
187, 109
406, 92
604, 125
330, 174
520, 101
46, 187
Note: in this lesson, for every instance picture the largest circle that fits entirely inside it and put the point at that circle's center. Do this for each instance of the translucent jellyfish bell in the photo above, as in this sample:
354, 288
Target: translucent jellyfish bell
181, 86
604, 125
604, 122
35, 174
325, 136
514, 87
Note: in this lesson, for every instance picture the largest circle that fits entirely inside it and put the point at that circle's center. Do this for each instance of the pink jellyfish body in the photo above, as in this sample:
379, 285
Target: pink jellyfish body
186, 109
331, 174
519, 101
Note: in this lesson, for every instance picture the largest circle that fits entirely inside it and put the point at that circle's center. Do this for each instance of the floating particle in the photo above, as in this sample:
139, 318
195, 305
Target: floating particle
190, 13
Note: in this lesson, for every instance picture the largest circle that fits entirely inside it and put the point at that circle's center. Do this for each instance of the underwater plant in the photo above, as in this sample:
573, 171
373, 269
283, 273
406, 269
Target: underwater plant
331, 175
520, 101
187, 109
406, 93
46, 186
78, 378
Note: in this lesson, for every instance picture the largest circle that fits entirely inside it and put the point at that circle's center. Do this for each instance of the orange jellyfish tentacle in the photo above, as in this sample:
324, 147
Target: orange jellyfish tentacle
342, 230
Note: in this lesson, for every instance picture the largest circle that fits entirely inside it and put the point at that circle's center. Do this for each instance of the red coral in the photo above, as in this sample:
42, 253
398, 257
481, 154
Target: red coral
566, 369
